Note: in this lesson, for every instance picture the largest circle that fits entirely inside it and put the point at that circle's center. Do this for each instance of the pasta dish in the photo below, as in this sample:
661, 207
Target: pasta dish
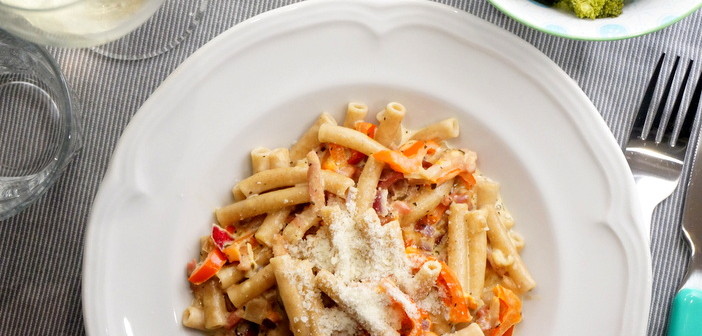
362, 228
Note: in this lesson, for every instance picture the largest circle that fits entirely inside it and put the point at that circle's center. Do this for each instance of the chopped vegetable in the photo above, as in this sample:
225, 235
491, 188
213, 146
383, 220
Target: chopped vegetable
337, 160
366, 128
510, 311
399, 162
208, 268
221, 237
233, 249
414, 149
449, 165
435, 215
409, 161
591, 9
468, 179
454, 297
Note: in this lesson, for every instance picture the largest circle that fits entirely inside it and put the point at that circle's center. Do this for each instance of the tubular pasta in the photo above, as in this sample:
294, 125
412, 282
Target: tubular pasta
445, 129
355, 112
252, 206
412, 241
309, 140
349, 138
289, 176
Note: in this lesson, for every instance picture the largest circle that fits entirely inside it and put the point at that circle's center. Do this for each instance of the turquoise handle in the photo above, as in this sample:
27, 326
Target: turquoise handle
686, 313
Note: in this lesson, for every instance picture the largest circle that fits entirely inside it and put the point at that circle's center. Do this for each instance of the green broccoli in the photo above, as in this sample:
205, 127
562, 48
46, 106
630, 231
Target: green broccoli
612, 8
592, 9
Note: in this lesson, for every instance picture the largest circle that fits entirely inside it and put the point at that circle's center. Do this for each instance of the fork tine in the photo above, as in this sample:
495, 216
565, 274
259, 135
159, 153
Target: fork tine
670, 128
656, 124
686, 128
640, 120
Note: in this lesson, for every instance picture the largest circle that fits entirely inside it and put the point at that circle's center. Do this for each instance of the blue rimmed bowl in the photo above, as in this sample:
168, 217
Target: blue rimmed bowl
640, 17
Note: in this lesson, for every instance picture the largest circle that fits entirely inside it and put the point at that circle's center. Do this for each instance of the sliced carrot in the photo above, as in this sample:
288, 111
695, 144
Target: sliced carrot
233, 249
435, 215
431, 146
468, 179
208, 268
232, 252
398, 161
447, 175
366, 128
337, 160
510, 311
454, 297
413, 149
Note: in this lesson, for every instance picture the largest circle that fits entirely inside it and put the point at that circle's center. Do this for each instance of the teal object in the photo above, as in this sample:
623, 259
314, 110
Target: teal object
686, 313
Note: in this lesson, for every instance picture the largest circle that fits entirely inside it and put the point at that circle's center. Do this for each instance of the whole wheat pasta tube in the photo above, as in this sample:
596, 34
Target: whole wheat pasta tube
273, 224
349, 138
457, 244
289, 176
472, 329
442, 130
194, 317
425, 202
260, 282
261, 204
487, 191
355, 112
259, 159
500, 239
308, 141
352, 305
425, 278
296, 229
279, 158
229, 275
389, 132
275, 221
213, 305
237, 194
296, 287
367, 185
477, 250
255, 310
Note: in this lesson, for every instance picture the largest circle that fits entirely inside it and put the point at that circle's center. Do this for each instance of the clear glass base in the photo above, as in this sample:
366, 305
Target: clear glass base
168, 27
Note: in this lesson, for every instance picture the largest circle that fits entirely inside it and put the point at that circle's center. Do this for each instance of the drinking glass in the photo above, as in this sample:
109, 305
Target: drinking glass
39, 128
110, 27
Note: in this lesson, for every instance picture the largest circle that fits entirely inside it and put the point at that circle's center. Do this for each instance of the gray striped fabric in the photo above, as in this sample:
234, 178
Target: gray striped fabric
41, 248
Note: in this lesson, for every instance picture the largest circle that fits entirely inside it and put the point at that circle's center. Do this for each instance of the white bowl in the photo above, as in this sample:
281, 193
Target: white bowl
639, 17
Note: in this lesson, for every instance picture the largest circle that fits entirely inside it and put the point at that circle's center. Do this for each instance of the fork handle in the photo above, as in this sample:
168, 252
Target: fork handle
686, 313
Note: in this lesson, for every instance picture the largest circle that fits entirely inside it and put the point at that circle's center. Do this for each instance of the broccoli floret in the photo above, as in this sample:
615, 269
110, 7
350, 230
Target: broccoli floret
612, 8
587, 9
564, 5
592, 9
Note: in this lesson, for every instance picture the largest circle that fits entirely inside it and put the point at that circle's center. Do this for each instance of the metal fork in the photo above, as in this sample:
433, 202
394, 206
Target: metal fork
656, 155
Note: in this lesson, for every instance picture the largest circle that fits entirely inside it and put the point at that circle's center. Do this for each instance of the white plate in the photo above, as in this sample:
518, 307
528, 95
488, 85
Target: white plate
264, 81
639, 17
